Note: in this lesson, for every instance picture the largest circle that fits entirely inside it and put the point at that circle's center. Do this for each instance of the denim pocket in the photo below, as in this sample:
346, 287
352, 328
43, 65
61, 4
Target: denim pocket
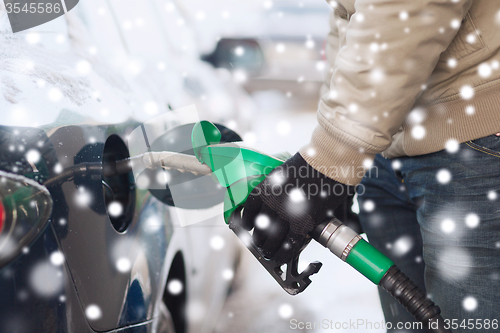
489, 145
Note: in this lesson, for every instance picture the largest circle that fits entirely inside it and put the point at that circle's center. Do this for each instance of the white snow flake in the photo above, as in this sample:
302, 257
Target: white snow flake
367, 163
283, 128
163, 177
142, 181
29, 65
396, 164
45, 279
123, 265
455, 24
240, 76
227, 274
469, 303
454, 264
217, 243
403, 16
402, 245
33, 156
470, 110
472, 220
467, 92
262, 221
153, 224
175, 287
93, 312
452, 146
200, 15
296, 195
484, 70
55, 94
151, 108
353, 107
368, 206
33, 38
471, 38
239, 51
285, 311
250, 138
115, 208
320, 66
268, 4
57, 258
83, 197
418, 132
277, 178
452, 62
60, 38
377, 75
443, 176
417, 116
310, 43
492, 195
83, 67
448, 226
374, 47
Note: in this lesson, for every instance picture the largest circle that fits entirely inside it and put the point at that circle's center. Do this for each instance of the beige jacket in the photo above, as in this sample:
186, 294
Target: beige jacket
407, 77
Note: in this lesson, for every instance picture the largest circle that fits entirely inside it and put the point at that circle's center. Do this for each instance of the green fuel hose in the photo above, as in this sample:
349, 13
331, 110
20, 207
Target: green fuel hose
366, 259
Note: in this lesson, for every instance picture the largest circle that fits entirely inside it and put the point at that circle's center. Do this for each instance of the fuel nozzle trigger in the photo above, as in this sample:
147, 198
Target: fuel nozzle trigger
240, 170
290, 280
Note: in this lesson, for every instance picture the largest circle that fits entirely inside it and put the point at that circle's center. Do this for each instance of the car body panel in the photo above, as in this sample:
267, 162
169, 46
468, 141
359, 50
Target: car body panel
64, 100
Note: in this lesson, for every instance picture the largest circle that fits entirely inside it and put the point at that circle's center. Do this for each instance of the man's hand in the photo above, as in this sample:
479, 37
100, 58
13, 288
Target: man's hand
287, 205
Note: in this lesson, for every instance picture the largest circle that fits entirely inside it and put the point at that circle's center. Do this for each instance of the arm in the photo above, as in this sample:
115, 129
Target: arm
389, 53
332, 49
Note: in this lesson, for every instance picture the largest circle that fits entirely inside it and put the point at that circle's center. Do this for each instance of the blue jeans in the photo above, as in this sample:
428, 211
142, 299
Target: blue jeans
437, 216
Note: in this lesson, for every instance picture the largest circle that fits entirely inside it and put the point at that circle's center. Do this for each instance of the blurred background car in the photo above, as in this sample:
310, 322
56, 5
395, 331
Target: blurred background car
110, 256
282, 51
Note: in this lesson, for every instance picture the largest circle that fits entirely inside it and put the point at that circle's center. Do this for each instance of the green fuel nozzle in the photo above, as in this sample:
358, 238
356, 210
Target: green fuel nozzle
241, 169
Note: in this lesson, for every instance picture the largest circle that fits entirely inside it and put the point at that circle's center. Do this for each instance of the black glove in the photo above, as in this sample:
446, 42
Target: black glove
345, 214
287, 205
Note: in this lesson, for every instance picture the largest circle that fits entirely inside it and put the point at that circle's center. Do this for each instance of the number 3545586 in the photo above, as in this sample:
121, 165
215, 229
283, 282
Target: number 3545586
33, 8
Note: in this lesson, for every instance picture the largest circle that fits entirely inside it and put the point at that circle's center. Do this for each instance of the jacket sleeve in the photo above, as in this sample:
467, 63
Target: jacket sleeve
390, 49
332, 49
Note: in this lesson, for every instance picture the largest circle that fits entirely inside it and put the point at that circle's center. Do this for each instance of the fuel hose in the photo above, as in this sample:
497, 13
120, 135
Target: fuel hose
350, 247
